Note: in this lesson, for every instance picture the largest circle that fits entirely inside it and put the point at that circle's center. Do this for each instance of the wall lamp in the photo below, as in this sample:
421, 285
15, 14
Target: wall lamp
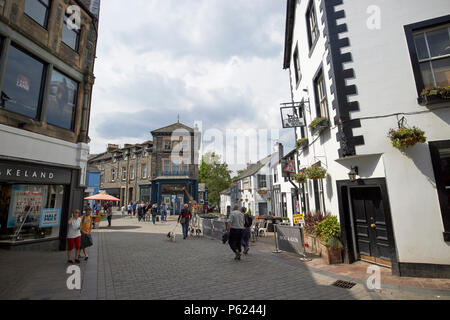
353, 173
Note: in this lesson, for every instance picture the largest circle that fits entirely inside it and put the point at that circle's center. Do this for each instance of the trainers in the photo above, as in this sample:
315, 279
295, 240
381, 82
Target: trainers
246, 250
77, 261
70, 261
238, 256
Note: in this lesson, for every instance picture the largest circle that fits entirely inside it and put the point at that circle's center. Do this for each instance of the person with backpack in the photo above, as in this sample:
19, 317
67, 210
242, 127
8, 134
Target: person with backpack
248, 220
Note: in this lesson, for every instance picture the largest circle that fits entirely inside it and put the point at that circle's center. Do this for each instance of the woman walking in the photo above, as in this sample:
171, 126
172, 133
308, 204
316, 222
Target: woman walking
74, 236
184, 218
154, 212
86, 238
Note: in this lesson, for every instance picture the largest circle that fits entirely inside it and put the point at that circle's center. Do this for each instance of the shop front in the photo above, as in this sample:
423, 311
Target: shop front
35, 201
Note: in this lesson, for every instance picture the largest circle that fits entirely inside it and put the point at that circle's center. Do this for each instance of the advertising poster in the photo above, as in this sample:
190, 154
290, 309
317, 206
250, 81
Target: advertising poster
50, 218
26, 204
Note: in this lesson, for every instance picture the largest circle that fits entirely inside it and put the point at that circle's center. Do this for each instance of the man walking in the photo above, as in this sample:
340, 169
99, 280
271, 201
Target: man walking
109, 213
236, 227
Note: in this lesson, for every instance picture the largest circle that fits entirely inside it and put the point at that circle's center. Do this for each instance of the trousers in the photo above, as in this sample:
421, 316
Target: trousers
235, 240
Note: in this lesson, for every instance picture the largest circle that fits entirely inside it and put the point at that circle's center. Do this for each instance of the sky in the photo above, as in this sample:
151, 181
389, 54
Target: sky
218, 63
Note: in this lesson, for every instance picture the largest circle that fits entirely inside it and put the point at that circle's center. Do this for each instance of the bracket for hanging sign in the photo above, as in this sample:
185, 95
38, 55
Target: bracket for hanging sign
292, 114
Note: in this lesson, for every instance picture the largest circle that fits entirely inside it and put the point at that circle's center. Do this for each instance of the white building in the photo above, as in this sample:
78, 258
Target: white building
225, 202
362, 65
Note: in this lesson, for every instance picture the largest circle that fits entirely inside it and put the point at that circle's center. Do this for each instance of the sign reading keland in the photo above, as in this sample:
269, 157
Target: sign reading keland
34, 174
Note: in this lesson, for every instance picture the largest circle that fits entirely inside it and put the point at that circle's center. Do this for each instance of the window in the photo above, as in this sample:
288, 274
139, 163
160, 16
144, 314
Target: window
70, 35
297, 71
124, 173
22, 86
166, 166
321, 96
319, 196
167, 145
262, 181
313, 28
440, 156
275, 178
62, 101
433, 53
131, 173
38, 10
144, 171
113, 175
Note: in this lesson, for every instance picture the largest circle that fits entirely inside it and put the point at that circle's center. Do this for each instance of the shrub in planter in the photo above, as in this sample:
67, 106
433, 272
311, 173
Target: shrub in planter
315, 172
312, 219
301, 177
329, 233
406, 137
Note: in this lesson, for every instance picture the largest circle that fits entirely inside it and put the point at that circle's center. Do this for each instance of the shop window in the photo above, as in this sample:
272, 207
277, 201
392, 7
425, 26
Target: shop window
38, 10
62, 101
70, 35
30, 212
23, 82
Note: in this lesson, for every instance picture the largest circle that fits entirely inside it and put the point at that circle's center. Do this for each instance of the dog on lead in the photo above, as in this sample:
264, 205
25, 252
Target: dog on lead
171, 236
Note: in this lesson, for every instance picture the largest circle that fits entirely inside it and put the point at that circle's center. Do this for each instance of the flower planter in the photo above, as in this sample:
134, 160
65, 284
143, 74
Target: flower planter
302, 144
322, 125
330, 255
432, 100
311, 243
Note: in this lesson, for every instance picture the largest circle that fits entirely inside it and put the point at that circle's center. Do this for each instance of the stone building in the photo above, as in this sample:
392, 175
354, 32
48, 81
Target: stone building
46, 79
125, 172
175, 165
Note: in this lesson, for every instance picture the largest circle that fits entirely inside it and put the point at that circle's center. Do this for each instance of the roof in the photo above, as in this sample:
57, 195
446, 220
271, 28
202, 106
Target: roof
254, 168
289, 33
172, 128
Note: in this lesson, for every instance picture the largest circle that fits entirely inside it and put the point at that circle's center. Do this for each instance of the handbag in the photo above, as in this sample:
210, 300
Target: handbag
183, 220
86, 240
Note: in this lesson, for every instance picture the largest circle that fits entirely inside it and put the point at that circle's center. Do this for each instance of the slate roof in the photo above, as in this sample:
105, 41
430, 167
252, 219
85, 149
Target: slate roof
173, 127
254, 168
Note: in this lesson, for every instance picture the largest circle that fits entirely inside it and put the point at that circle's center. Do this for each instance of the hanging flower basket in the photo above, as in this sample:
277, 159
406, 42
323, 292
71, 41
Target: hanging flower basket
406, 137
315, 172
301, 177
262, 191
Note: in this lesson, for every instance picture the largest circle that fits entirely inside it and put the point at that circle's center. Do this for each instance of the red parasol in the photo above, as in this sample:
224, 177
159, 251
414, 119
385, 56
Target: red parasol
102, 197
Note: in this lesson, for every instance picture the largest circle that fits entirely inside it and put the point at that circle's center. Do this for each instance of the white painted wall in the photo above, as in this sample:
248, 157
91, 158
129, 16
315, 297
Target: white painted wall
29, 146
385, 82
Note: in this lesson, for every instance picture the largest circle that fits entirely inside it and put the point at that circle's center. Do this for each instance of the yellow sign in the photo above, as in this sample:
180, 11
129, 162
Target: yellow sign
299, 218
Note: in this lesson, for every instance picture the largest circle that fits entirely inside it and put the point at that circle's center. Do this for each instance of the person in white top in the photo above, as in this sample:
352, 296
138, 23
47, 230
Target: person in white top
74, 236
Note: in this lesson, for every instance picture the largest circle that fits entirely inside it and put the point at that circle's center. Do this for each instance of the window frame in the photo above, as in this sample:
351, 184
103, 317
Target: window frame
297, 70
75, 106
113, 174
47, 13
42, 90
410, 31
124, 173
319, 83
78, 33
311, 12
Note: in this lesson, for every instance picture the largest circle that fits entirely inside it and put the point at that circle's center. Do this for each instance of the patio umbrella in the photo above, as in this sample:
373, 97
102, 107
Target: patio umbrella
102, 197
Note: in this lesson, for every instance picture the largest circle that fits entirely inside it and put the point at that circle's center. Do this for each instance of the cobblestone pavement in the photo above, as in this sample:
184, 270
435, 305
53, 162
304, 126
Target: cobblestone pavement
133, 260
136, 261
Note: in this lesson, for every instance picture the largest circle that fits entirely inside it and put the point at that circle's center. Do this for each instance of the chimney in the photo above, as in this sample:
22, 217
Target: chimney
112, 147
280, 151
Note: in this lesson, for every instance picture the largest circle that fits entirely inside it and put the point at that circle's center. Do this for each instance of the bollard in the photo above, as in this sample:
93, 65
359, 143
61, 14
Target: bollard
276, 240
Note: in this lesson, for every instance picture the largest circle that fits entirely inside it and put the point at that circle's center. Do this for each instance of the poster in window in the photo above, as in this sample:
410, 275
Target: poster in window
61, 100
23, 82
50, 217
25, 206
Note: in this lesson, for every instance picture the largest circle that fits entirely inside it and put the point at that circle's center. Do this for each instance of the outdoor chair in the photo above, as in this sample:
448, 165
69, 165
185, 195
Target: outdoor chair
263, 227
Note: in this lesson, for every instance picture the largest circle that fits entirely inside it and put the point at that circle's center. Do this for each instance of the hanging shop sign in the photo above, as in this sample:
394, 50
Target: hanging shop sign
291, 115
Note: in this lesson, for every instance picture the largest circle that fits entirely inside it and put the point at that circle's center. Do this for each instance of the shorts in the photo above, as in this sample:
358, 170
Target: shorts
71, 242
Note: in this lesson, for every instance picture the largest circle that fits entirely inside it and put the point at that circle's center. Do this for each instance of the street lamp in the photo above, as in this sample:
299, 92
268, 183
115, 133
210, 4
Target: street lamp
353, 173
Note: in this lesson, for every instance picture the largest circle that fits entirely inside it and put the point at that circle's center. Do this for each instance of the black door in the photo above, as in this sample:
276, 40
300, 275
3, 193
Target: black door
371, 229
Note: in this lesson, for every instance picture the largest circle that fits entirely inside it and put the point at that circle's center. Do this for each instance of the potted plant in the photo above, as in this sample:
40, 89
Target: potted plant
318, 124
434, 95
406, 137
302, 143
310, 235
329, 233
316, 172
301, 177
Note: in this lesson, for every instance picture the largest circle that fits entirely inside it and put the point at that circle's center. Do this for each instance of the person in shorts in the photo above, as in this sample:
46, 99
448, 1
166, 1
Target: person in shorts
74, 236
86, 238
